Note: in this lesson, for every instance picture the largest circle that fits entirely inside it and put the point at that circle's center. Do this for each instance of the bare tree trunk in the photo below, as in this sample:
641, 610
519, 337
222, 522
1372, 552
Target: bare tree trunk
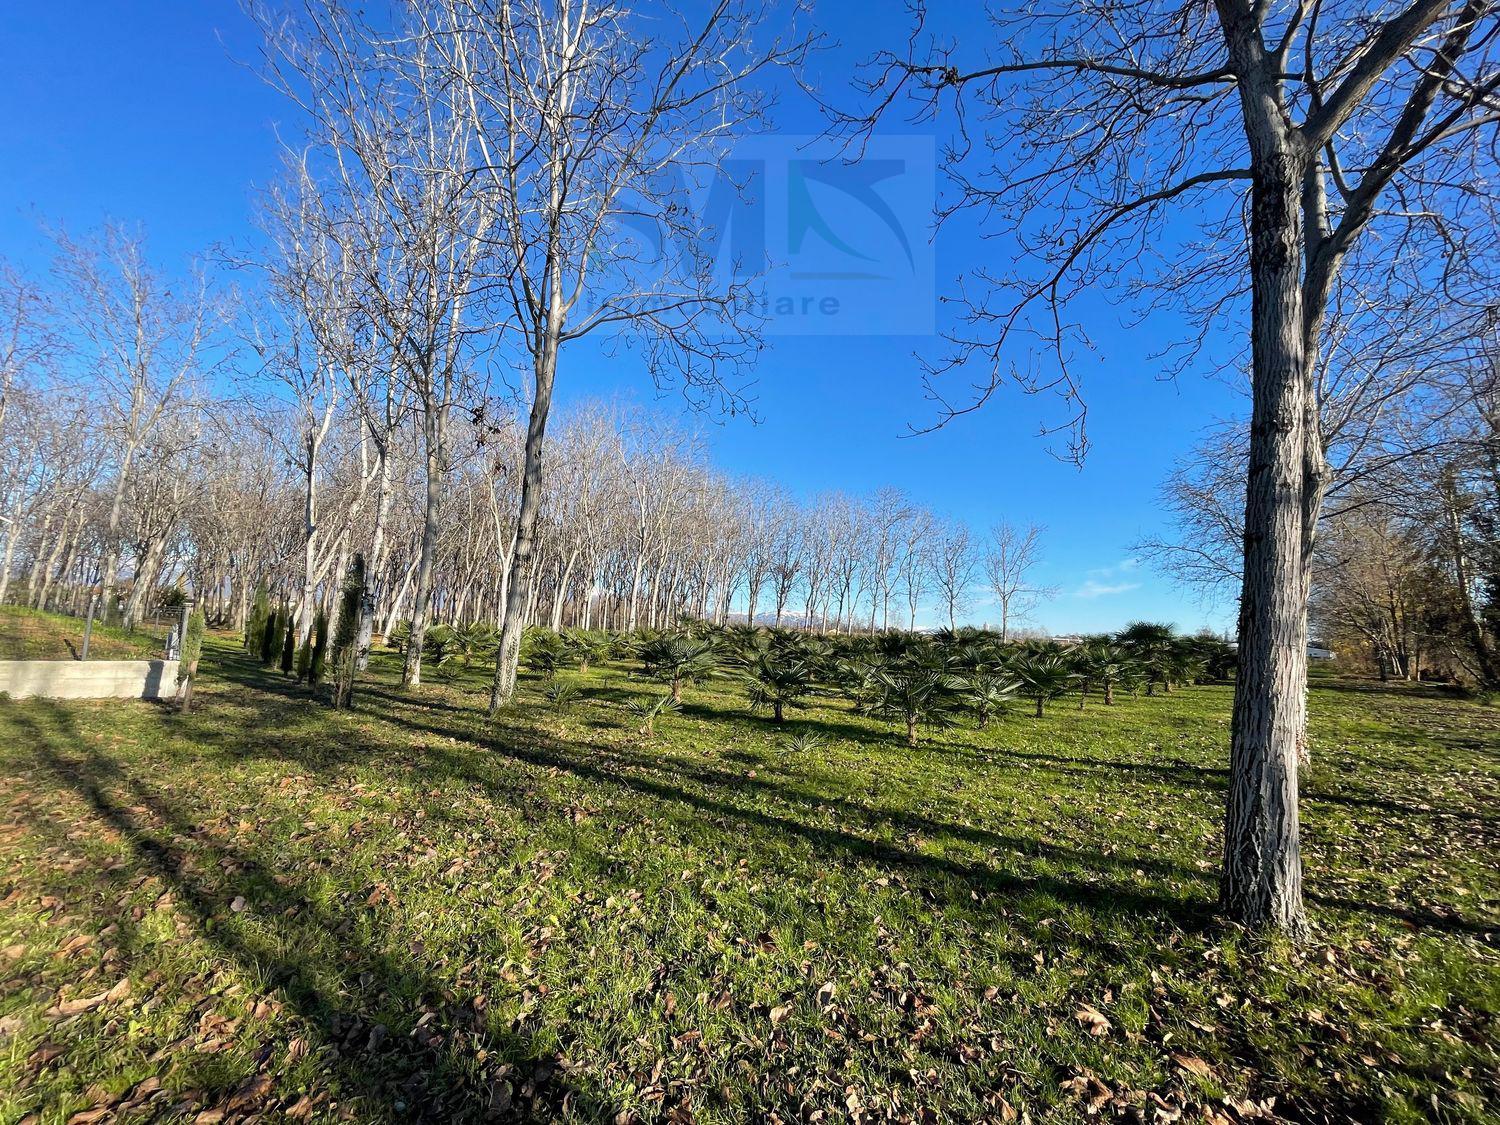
65, 572
112, 535
383, 491
517, 596
63, 538
34, 578
432, 426
1261, 884
145, 578
309, 549
562, 591
10, 550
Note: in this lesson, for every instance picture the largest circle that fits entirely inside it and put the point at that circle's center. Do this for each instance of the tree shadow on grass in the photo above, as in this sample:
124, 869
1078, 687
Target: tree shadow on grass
607, 763
862, 831
365, 1007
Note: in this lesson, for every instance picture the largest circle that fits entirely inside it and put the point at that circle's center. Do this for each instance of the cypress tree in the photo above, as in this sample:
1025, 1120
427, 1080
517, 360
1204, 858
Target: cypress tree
288, 646
187, 664
268, 638
260, 609
304, 658
346, 632
319, 650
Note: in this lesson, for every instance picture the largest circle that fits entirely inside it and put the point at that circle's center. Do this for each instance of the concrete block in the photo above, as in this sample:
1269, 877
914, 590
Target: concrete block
89, 679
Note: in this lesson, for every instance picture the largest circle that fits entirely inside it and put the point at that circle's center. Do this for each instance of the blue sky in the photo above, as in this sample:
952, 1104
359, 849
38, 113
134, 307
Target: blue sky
140, 112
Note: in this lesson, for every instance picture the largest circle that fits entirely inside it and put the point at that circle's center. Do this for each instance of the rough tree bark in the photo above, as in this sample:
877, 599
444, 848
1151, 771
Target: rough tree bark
1261, 883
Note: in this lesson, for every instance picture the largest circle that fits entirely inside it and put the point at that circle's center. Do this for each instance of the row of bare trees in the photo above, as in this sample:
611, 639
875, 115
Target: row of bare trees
478, 185
280, 466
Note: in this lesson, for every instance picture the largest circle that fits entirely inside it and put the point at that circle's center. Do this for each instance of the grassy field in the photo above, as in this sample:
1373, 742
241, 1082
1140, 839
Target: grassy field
405, 913
28, 635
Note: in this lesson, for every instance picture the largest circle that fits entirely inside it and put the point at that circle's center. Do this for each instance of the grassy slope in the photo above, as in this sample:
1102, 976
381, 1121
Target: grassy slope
402, 913
26, 634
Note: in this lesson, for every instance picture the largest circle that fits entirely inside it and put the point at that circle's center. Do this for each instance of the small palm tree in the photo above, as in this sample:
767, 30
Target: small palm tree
1183, 664
804, 742
1217, 657
560, 693
648, 713
1151, 646
545, 650
1044, 676
988, 694
1106, 665
910, 692
587, 646
675, 657
439, 647
778, 676
475, 641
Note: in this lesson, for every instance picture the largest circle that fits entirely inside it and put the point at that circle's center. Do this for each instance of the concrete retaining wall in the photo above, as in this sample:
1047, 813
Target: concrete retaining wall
89, 679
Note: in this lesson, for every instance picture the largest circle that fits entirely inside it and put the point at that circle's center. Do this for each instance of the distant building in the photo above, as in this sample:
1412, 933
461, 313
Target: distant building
1315, 650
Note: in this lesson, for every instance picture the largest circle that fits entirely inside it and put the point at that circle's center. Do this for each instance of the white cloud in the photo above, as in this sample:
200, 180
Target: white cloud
1093, 588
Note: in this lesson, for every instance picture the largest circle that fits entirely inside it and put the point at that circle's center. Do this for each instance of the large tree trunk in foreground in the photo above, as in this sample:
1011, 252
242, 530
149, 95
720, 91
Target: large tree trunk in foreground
1261, 885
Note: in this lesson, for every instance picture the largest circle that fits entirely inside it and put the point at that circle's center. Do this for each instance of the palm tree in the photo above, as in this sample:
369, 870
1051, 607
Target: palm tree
987, 694
778, 676
1217, 656
676, 657
1151, 645
1183, 664
648, 712
1106, 664
1043, 676
587, 646
912, 693
545, 650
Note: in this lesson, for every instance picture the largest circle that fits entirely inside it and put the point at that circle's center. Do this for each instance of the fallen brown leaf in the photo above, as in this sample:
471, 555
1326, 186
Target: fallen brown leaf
1094, 1021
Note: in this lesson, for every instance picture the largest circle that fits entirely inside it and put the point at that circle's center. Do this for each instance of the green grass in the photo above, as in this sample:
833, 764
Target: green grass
28, 634
406, 913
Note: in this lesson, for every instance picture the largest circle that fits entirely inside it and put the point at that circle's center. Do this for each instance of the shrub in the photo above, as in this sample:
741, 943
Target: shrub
319, 650
268, 638
187, 663
288, 646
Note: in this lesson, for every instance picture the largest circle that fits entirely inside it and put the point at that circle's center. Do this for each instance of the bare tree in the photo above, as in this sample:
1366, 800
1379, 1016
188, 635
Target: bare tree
594, 123
1288, 131
397, 142
145, 343
953, 562
1010, 562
